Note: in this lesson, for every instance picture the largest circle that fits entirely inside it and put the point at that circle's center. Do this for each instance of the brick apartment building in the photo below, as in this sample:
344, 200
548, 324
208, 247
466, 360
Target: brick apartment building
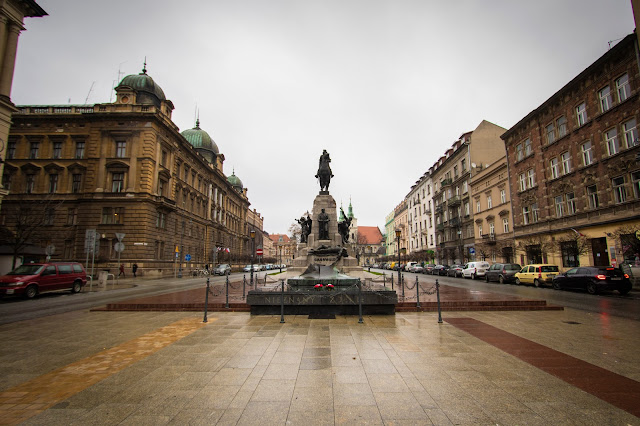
575, 170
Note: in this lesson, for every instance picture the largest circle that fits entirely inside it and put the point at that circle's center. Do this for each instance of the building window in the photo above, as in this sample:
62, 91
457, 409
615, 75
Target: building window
477, 206
463, 164
186, 174
551, 133
503, 196
522, 182
163, 158
562, 126
30, 183
569, 254
465, 187
160, 220
619, 191
480, 230
571, 203
53, 183
117, 182
592, 194
606, 99
112, 215
587, 153
519, 152
555, 170
630, 133
581, 114
489, 202
35, 147
466, 209
613, 145
57, 149
531, 178
161, 185
622, 86
79, 149
559, 206
505, 225
565, 157
76, 183
11, 150
121, 149
526, 215
492, 228
72, 216
527, 147
635, 177
49, 216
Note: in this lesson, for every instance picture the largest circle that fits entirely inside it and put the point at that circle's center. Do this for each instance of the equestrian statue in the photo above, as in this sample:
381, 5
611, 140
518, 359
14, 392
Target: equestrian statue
324, 171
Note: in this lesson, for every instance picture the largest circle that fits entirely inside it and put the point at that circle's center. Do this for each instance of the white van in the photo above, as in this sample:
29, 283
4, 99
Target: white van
475, 269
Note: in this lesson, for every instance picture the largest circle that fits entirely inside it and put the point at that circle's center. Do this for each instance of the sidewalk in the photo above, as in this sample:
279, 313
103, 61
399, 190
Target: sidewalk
136, 368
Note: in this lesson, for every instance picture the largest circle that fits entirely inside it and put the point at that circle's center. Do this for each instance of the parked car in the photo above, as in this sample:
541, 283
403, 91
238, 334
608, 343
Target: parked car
502, 272
418, 269
474, 270
593, 279
455, 271
31, 279
538, 274
440, 270
247, 268
429, 267
257, 268
222, 269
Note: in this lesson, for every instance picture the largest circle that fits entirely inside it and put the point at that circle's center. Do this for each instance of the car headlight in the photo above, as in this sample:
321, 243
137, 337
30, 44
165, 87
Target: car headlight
16, 283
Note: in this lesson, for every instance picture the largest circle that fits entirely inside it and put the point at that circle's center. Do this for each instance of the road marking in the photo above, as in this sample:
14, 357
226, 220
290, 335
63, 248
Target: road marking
21, 402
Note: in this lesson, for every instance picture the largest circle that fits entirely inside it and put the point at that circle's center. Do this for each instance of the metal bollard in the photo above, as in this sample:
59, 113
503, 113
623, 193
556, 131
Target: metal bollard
243, 289
391, 281
360, 321
206, 301
402, 283
384, 279
438, 296
282, 303
227, 292
417, 293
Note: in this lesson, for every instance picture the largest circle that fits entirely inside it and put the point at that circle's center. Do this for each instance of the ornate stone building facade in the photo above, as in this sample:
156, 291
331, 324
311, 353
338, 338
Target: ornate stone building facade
12, 14
124, 168
575, 167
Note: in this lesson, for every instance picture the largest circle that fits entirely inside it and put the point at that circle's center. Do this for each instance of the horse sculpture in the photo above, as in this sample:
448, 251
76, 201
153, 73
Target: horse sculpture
324, 171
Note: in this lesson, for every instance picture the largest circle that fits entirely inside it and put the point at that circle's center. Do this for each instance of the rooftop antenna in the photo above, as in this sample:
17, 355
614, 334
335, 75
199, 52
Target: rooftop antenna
86, 100
113, 85
611, 42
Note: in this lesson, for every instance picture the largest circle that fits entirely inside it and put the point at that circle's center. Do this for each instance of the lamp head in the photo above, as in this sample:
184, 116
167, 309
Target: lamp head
253, 234
398, 233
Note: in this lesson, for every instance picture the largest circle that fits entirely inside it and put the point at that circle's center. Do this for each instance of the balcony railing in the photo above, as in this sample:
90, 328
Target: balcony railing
489, 238
445, 182
439, 209
440, 227
454, 201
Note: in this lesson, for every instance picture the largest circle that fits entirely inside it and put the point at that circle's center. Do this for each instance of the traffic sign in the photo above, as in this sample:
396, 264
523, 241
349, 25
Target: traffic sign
119, 247
177, 251
187, 257
472, 250
259, 252
119, 235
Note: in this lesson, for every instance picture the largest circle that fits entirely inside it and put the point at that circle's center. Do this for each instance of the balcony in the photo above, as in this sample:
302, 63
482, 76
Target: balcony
439, 209
489, 238
440, 227
454, 221
454, 201
445, 182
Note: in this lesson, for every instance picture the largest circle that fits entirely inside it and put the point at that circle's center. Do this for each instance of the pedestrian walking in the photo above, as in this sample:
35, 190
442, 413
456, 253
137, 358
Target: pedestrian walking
122, 271
134, 268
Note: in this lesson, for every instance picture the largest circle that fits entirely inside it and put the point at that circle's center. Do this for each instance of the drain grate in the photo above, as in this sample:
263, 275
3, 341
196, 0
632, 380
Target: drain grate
571, 322
322, 316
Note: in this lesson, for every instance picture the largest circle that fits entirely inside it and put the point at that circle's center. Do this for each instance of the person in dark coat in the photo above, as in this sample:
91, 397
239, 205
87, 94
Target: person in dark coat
122, 270
135, 269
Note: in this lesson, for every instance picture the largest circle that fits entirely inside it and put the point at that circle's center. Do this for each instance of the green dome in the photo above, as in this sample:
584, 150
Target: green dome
143, 83
235, 181
200, 139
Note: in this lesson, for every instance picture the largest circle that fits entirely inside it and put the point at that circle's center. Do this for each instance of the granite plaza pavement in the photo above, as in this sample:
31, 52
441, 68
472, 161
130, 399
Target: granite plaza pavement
86, 367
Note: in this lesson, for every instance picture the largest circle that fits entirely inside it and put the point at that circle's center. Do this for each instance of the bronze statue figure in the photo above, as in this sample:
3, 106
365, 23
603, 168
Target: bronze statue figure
324, 171
343, 227
323, 226
305, 228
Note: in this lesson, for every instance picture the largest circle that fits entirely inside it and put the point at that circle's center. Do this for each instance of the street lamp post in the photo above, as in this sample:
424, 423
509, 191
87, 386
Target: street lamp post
398, 233
181, 250
253, 241
280, 247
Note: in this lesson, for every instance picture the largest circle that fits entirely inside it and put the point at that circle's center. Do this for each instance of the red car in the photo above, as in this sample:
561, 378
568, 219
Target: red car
30, 279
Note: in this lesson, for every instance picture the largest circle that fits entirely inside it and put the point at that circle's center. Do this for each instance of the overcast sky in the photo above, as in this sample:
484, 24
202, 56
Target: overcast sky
385, 86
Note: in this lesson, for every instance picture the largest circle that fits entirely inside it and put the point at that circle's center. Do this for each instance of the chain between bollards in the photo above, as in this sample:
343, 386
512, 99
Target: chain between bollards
227, 291
417, 293
438, 296
360, 321
282, 303
206, 301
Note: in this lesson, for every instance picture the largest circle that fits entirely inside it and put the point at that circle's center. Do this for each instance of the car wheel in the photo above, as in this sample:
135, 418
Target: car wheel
77, 286
31, 291
536, 283
556, 285
518, 281
592, 288
501, 279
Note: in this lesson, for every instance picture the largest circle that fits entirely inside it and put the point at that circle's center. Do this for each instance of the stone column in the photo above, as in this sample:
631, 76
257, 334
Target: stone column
9, 59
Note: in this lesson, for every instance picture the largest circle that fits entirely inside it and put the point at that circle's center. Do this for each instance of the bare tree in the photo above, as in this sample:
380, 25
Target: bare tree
573, 244
27, 224
295, 230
